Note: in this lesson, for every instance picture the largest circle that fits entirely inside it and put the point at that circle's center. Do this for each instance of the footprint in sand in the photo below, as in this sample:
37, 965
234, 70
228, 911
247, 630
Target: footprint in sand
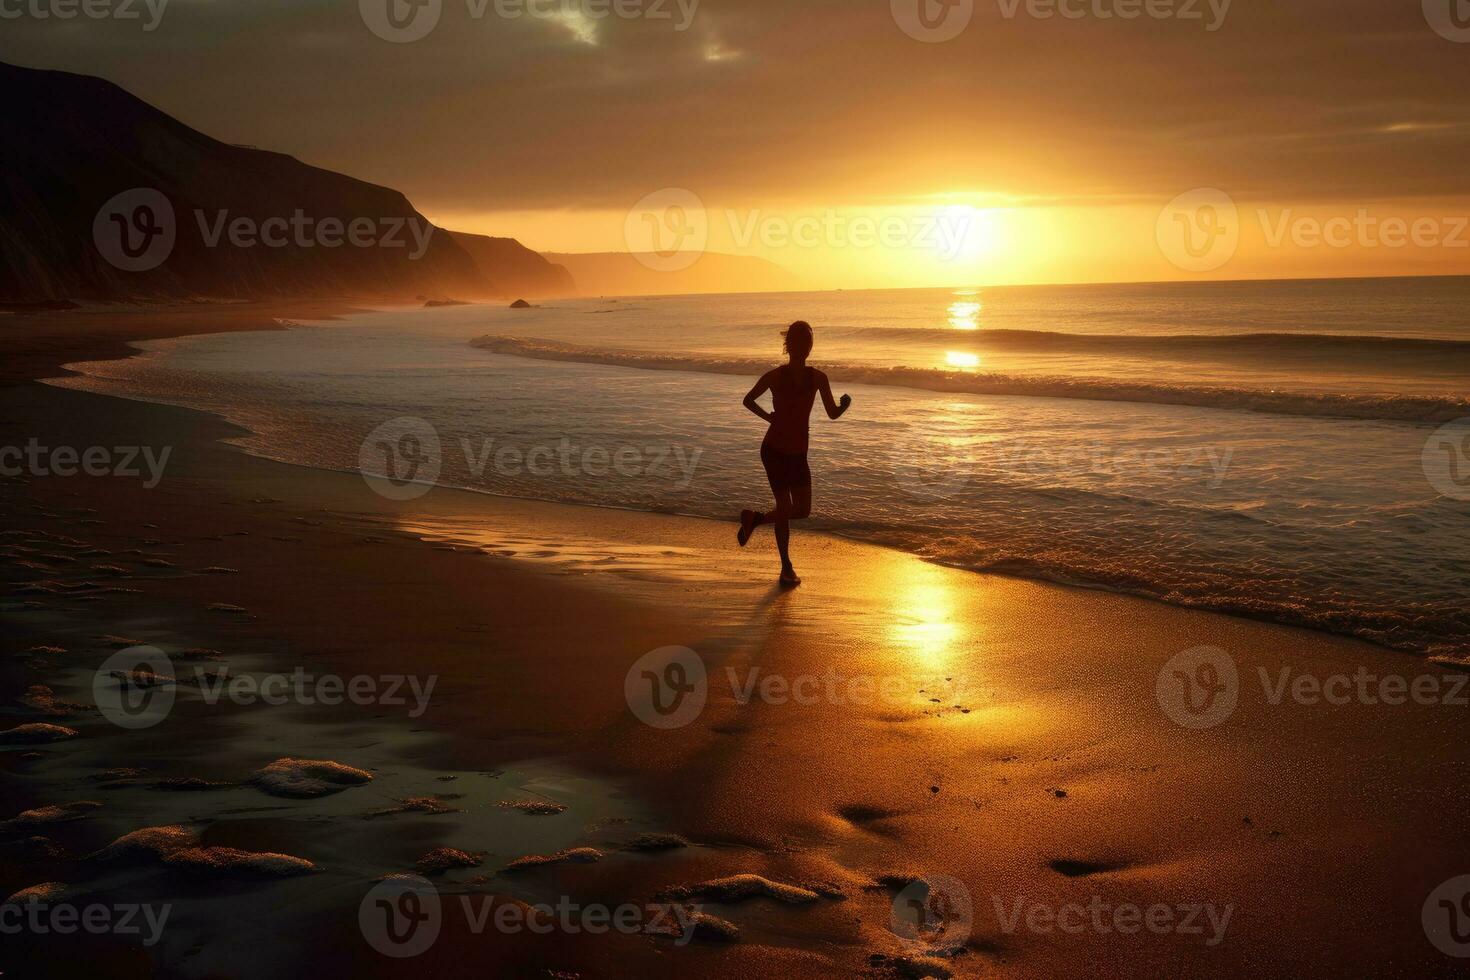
740, 887
654, 842
1083, 869
862, 814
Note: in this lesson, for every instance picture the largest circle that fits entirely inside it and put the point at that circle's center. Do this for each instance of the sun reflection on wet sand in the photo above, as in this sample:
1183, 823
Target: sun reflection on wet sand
923, 618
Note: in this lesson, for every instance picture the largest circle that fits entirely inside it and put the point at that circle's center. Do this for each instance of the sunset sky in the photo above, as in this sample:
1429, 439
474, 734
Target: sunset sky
1024, 149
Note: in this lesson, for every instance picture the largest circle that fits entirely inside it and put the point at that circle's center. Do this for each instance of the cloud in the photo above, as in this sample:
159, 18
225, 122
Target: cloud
581, 27
816, 100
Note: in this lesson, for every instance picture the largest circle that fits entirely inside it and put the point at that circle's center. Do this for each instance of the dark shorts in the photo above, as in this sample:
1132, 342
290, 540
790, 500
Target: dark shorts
786, 471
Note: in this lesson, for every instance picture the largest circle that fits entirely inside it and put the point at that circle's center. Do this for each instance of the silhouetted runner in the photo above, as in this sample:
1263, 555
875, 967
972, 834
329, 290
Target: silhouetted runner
793, 387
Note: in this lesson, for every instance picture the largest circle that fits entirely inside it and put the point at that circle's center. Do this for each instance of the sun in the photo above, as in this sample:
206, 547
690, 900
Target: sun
969, 233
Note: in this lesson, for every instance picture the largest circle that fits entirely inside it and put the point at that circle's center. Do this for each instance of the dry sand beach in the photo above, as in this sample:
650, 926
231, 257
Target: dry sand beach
891, 731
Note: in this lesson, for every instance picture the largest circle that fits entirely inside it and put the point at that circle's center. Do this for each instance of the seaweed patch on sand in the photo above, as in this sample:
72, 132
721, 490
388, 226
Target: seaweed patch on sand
694, 924
572, 855
442, 859
232, 862
119, 642
47, 815
535, 808
44, 894
42, 699
178, 847
307, 778
149, 843
36, 733
188, 784
35, 848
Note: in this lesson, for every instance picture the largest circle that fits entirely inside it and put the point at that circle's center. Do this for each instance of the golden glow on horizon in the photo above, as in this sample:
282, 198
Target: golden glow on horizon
943, 244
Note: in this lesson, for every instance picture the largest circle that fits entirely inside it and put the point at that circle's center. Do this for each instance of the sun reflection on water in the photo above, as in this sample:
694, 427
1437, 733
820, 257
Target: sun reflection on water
964, 315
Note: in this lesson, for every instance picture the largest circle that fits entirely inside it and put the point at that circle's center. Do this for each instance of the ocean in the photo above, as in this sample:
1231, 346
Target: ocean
1295, 451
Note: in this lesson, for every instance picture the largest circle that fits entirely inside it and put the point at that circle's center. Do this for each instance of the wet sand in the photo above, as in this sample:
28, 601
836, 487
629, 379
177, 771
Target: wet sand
888, 721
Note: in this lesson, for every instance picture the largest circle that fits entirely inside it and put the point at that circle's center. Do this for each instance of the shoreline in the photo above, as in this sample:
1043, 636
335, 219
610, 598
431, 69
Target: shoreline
1387, 626
37, 345
1020, 748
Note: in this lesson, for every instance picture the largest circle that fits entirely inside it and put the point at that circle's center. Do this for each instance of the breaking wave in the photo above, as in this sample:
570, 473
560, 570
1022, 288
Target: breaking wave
1426, 410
